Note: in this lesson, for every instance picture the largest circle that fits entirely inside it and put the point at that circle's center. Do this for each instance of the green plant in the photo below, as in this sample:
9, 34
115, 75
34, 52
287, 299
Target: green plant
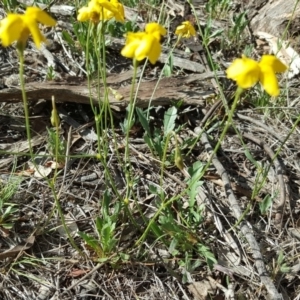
194, 215
157, 139
168, 67
117, 29
209, 35
50, 74
105, 243
10, 5
131, 3
128, 122
178, 228
265, 204
8, 210
240, 22
280, 266
218, 8
56, 145
85, 41
188, 265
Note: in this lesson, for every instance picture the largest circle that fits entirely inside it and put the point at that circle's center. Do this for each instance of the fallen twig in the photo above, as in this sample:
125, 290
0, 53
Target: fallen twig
246, 231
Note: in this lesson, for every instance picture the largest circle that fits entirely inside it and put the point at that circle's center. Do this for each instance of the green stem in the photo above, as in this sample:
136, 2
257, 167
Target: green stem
160, 75
24, 97
164, 157
130, 115
226, 127
51, 183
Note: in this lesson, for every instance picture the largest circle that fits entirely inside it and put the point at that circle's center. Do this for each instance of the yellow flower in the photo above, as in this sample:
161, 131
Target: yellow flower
114, 9
98, 10
247, 72
155, 29
140, 45
16, 27
186, 30
91, 12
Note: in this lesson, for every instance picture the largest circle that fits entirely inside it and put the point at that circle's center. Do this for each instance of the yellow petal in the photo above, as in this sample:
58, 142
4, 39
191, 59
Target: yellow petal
186, 29
142, 51
132, 43
93, 12
273, 62
148, 47
35, 32
244, 71
140, 45
134, 36
10, 29
114, 9
129, 51
83, 14
180, 30
269, 81
40, 16
120, 15
153, 28
155, 52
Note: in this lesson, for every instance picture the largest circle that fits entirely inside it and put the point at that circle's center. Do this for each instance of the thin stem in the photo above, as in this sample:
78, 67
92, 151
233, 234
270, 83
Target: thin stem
226, 127
161, 73
24, 97
130, 115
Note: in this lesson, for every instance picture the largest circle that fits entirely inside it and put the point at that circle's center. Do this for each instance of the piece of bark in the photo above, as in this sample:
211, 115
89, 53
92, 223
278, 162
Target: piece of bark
167, 91
253, 7
274, 16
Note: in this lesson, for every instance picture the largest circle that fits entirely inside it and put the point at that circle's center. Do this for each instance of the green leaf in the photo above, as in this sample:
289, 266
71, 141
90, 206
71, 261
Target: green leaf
280, 258
103, 259
251, 158
153, 189
172, 247
149, 142
127, 124
105, 203
168, 67
156, 230
167, 71
195, 170
284, 268
209, 256
177, 103
194, 182
265, 204
125, 257
92, 242
193, 191
99, 225
217, 33
67, 37
9, 211
143, 120
169, 120
158, 144
8, 225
